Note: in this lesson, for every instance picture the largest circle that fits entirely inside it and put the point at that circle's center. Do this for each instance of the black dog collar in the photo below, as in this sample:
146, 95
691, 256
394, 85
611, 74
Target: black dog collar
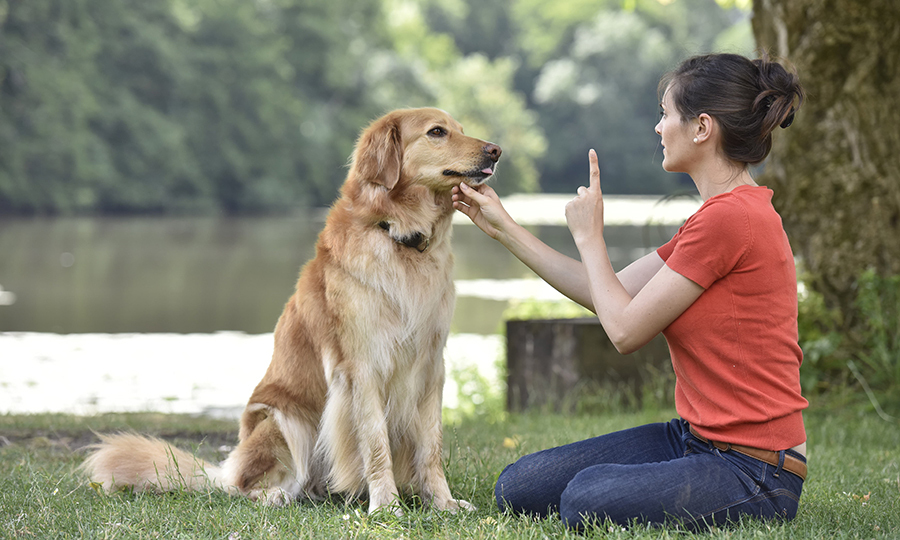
417, 240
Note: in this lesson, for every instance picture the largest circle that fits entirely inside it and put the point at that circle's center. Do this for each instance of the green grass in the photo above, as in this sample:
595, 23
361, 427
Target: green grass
853, 490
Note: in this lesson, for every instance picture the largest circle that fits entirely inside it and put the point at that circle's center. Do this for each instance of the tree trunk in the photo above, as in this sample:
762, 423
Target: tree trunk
556, 362
836, 171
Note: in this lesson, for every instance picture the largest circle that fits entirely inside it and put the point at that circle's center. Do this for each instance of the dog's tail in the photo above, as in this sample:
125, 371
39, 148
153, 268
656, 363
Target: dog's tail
148, 464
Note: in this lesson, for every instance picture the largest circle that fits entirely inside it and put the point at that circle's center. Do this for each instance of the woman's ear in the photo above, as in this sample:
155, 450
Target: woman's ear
379, 153
704, 127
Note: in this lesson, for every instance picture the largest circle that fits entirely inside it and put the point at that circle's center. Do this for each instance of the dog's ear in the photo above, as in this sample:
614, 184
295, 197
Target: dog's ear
379, 153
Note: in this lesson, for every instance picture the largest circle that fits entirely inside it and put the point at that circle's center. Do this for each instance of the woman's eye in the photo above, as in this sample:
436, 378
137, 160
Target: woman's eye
437, 132
662, 112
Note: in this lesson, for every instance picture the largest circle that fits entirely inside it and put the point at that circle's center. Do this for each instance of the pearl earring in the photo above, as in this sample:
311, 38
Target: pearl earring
696, 140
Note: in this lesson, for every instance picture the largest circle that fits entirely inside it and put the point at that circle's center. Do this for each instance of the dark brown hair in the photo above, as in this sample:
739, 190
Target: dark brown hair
748, 98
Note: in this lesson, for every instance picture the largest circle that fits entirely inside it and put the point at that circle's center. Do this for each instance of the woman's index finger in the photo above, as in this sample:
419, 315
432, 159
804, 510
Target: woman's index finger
595, 168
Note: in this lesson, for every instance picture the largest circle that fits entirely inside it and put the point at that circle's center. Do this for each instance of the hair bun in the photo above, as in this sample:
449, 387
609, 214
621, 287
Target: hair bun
780, 90
789, 120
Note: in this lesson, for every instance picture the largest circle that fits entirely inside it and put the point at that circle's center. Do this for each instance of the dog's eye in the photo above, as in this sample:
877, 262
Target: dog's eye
437, 132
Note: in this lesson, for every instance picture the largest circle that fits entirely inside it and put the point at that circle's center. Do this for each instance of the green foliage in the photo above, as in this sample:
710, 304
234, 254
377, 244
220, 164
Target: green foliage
873, 348
545, 309
477, 89
478, 394
142, 108
821, 342
878, 300
198, 106
619, 53
581, 92
589, 70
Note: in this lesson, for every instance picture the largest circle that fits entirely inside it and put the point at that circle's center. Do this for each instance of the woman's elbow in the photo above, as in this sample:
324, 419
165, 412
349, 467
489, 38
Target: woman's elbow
626, 348
626, 342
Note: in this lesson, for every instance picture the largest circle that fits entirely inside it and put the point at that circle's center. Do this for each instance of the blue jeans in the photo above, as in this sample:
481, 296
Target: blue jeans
657, 474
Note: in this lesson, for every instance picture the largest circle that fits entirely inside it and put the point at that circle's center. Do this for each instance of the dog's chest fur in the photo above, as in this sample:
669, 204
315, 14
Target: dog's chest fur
396, 299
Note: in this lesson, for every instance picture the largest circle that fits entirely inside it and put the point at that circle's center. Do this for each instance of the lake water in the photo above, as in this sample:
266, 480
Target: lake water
200, 275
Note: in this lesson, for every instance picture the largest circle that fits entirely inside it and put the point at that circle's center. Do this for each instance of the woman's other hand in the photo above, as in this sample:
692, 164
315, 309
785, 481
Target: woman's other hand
483, 207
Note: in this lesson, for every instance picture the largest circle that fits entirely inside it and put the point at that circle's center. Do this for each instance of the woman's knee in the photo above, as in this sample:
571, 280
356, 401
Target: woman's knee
523, 487
594, 494
514, 486
501, 491
577, 502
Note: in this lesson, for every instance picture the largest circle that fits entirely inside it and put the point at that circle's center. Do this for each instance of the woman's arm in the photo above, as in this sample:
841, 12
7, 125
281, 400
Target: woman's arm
630, 322
563, 273
567, 275
637, 274
630, 319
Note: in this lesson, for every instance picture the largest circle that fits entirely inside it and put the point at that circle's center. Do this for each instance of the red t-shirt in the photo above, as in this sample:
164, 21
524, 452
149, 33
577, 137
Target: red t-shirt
735, 350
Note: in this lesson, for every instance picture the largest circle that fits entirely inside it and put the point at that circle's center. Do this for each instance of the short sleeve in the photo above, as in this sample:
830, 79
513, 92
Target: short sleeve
710, 243
665, 251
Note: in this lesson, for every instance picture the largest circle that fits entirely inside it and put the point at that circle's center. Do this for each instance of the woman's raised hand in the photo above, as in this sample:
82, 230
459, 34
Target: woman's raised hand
584, 213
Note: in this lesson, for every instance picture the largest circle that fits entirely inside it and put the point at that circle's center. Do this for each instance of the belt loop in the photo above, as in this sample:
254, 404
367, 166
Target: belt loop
780, 464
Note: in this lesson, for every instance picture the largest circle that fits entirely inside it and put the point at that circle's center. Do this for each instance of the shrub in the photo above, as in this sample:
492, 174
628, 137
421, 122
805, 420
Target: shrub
868, 356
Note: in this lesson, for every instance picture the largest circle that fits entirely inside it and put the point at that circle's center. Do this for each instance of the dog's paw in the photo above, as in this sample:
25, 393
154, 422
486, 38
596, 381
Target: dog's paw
275, 497
384, 498
390, 508
454, 505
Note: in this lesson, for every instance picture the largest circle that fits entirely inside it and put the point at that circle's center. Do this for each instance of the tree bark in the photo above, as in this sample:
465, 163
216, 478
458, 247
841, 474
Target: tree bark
836, 171
554, 362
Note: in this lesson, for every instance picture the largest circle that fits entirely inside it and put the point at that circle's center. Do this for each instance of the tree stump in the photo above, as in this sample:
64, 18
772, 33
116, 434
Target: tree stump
550, 360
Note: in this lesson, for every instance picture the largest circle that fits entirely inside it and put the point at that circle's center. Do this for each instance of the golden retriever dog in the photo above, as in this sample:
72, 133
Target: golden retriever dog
351, 402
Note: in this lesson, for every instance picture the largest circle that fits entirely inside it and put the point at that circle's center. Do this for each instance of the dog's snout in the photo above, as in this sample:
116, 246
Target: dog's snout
492, 151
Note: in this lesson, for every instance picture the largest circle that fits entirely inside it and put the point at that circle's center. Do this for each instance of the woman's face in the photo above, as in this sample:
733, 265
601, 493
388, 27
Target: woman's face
676, 137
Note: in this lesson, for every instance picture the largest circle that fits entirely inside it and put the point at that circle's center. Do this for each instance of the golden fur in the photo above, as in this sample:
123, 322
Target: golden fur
351, 401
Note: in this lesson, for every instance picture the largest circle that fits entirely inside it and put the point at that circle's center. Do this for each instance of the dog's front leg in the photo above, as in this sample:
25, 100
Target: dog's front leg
429, 463
375, 448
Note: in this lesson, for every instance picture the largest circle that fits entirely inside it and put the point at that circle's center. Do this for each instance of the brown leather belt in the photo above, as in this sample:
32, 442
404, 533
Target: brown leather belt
791, 464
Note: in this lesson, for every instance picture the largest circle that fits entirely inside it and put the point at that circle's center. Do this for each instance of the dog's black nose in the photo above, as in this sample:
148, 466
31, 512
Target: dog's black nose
493, 151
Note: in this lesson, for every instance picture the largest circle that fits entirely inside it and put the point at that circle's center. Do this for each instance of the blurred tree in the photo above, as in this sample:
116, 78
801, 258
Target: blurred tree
488, 27
116, 107
589, 69
236, 106
138, 70
836, 171
47, 151
602, 94
329, 48
545, 29
476, 89
182, 105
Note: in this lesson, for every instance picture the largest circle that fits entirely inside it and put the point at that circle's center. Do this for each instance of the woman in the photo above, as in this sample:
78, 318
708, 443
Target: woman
723, 291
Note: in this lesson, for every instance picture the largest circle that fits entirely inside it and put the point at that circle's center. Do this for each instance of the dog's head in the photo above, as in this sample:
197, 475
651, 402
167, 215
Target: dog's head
425, 146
